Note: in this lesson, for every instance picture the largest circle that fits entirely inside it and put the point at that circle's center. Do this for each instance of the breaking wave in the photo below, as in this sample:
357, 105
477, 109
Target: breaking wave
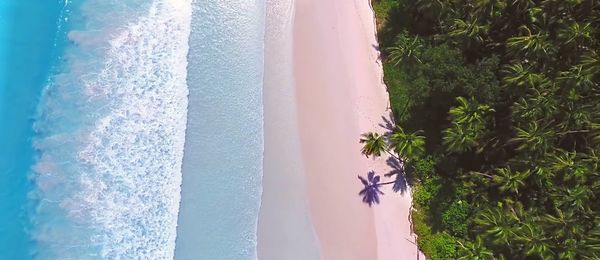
111, 132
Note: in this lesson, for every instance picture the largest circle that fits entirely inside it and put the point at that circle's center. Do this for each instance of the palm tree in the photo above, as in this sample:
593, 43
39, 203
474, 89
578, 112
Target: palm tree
468, 125
576, 33
497, 224
592, 157
574, 198
562, 160
534, 138
405, 49
521, 76
408, 145
563, 224
536, 243
580, 248
577, 76
538, 105
543, 175
474, 251
510, 181
591, 62
549, 107
488, 8
373, 144
469, 111
469, 31
461, 137
529, 44
570, 165
569, 252
559, 221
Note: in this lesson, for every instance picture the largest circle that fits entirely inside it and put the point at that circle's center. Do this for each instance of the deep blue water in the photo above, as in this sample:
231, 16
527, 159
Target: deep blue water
27, 35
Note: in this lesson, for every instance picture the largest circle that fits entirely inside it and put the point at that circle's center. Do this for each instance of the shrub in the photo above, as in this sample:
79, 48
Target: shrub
438, 246
455, 218
425, 192
424, 168
382, 9
395, 80
421, 196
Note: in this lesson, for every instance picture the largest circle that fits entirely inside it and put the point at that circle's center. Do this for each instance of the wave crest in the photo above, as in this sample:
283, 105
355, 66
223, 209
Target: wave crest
111, 135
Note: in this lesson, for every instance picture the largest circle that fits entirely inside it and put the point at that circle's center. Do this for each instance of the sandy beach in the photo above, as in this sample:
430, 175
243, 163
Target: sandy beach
285, 230
323, 89
340, 94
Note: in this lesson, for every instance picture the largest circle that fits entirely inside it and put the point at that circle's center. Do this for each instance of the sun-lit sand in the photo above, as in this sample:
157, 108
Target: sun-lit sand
323, 88
340, 95
285, 231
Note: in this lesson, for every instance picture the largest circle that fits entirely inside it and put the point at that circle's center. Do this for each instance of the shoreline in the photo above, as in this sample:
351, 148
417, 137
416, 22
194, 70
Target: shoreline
285, 229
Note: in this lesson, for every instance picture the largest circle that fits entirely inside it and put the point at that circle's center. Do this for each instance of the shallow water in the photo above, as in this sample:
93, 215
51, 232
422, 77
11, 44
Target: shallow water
222, 166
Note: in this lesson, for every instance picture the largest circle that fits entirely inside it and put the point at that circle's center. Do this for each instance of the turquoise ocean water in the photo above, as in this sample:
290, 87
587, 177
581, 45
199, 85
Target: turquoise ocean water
93, 117
27, 42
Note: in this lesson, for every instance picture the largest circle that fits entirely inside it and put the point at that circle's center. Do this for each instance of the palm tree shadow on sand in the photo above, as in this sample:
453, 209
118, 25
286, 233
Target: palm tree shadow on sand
397, 172
388, 124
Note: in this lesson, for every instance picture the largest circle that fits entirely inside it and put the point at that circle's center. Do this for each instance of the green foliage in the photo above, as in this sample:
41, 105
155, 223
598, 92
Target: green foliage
409, 146
439, 246
424, 168
395, 80
474, 250
468, 125
423, 194
468, 32
445, 70
382, 9
507, 94
432, 85
374, 144
434, 244
510, 181
528, 44
406, 49
455, 218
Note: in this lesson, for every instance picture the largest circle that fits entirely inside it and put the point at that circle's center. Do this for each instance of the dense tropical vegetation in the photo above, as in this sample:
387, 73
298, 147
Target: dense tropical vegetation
497, 123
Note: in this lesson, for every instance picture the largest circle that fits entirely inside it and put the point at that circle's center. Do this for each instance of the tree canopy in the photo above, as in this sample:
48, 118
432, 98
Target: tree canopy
497, 107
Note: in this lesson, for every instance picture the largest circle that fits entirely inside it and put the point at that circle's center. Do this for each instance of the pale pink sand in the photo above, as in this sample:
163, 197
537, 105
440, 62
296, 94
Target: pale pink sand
340, 95
285, 230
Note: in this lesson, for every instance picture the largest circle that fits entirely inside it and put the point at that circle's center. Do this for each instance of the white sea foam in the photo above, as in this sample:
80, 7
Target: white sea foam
111, 134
